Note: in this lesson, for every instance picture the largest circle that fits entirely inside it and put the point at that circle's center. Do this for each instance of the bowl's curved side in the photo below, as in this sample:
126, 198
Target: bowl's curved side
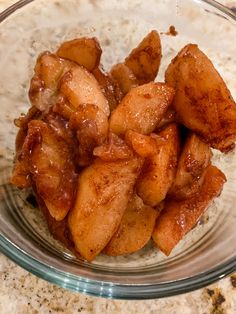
8, 11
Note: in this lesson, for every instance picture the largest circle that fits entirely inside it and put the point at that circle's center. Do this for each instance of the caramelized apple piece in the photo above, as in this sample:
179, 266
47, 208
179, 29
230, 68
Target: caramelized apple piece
109, 87
92, 119
169, 117
141, 109
83, 51
144, 60
61, 128
135, 229
124, 77
193, 161
202, 101
159, 170
48, 70
59, 229
103, 193
178, 218
115, 149
144, 145
22, 124
63, 107
51, 167
21, 172
91, 126
80, 87
141, 66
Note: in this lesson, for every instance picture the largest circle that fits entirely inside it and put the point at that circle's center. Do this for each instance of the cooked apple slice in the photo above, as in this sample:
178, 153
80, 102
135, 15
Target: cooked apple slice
135, 229
51, 164
109, 87
179, 217
202, 100
114, 149
144, 60
58, 229
83, 51
22, 123
124, 77
21, 171
141, 109
91, 126
159, 170
48, 71
104, 189
193, 161
80, 87
169, 117
144, 145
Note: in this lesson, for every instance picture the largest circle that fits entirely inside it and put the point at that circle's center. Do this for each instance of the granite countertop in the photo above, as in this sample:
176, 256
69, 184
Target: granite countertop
22, 292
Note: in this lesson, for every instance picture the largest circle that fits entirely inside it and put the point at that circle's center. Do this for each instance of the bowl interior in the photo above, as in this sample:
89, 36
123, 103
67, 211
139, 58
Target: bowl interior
208, 251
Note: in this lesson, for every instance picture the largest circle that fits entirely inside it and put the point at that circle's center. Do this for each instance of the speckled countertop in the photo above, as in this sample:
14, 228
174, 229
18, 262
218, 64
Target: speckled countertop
22, 292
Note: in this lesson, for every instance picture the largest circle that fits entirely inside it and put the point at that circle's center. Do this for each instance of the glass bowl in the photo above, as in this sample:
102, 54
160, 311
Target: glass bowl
29, 27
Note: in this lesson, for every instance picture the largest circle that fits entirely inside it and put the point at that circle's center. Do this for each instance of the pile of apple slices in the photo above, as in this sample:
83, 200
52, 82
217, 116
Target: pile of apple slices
116, 159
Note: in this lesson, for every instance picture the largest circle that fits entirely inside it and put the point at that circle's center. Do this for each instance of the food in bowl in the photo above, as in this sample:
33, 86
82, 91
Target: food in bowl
116, 159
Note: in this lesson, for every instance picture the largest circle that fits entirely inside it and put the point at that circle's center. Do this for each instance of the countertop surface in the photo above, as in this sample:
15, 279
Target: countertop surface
22, 292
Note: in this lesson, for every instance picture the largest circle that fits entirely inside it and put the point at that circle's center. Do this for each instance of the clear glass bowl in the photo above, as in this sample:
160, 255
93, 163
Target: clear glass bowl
208, 252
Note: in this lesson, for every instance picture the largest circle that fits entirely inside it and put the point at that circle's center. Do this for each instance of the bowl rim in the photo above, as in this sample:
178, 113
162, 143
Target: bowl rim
109, 289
